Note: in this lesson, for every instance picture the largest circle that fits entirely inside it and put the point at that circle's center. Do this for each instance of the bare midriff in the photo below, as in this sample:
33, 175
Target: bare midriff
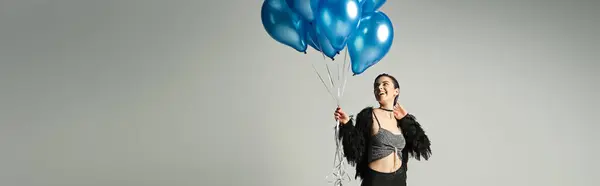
388, 164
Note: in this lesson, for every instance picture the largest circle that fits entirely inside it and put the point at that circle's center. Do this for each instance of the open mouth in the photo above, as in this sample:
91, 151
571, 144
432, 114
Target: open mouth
381, 93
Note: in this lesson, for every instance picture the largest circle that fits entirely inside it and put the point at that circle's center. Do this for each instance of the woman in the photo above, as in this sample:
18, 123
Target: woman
379, 142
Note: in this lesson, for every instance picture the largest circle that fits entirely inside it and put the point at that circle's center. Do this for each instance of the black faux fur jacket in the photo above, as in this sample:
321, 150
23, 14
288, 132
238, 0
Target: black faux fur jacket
356, 135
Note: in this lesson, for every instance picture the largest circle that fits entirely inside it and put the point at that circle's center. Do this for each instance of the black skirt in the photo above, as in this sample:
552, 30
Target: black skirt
376, 178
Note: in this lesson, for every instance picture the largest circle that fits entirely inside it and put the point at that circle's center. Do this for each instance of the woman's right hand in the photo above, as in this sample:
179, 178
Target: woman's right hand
341, 116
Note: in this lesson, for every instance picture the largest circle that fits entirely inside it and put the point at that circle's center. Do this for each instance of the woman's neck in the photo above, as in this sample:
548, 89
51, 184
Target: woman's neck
386, 107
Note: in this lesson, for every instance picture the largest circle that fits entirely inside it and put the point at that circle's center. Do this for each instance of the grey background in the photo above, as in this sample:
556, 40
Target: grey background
125, 93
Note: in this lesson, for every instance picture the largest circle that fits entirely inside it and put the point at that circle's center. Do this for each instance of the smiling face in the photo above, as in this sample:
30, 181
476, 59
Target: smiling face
385, 90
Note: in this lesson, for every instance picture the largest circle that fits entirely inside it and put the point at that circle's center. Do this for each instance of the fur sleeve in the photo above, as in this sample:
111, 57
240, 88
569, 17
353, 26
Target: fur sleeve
417, 142
354, 136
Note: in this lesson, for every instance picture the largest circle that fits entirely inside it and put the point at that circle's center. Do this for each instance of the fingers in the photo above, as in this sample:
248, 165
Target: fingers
339, 114
338, 117
397, 108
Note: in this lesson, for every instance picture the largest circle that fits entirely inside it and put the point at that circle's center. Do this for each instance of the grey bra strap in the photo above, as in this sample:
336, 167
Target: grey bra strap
377, 120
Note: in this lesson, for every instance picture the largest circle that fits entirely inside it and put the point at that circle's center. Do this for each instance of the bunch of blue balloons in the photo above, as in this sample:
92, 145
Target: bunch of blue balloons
329, 26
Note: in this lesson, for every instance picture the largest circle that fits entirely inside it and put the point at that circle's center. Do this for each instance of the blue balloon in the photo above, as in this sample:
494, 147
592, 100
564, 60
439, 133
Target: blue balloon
371, 41
319, 42
337, 19
305, 8
283, 25
370, 6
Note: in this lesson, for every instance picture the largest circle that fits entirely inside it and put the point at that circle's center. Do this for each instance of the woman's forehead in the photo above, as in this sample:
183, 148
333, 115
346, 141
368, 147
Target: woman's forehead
383, 79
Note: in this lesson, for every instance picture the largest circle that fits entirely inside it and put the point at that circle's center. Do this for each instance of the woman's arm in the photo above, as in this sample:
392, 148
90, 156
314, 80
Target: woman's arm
417, 142
353, 135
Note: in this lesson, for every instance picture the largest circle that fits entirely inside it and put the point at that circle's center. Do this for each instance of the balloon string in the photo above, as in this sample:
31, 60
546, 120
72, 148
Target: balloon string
339, 72
338, 162
329, 75
333, 84
324, 84
338, 172
344, 71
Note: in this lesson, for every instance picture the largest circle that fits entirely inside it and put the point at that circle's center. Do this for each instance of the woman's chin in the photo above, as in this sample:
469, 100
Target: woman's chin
383, 101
